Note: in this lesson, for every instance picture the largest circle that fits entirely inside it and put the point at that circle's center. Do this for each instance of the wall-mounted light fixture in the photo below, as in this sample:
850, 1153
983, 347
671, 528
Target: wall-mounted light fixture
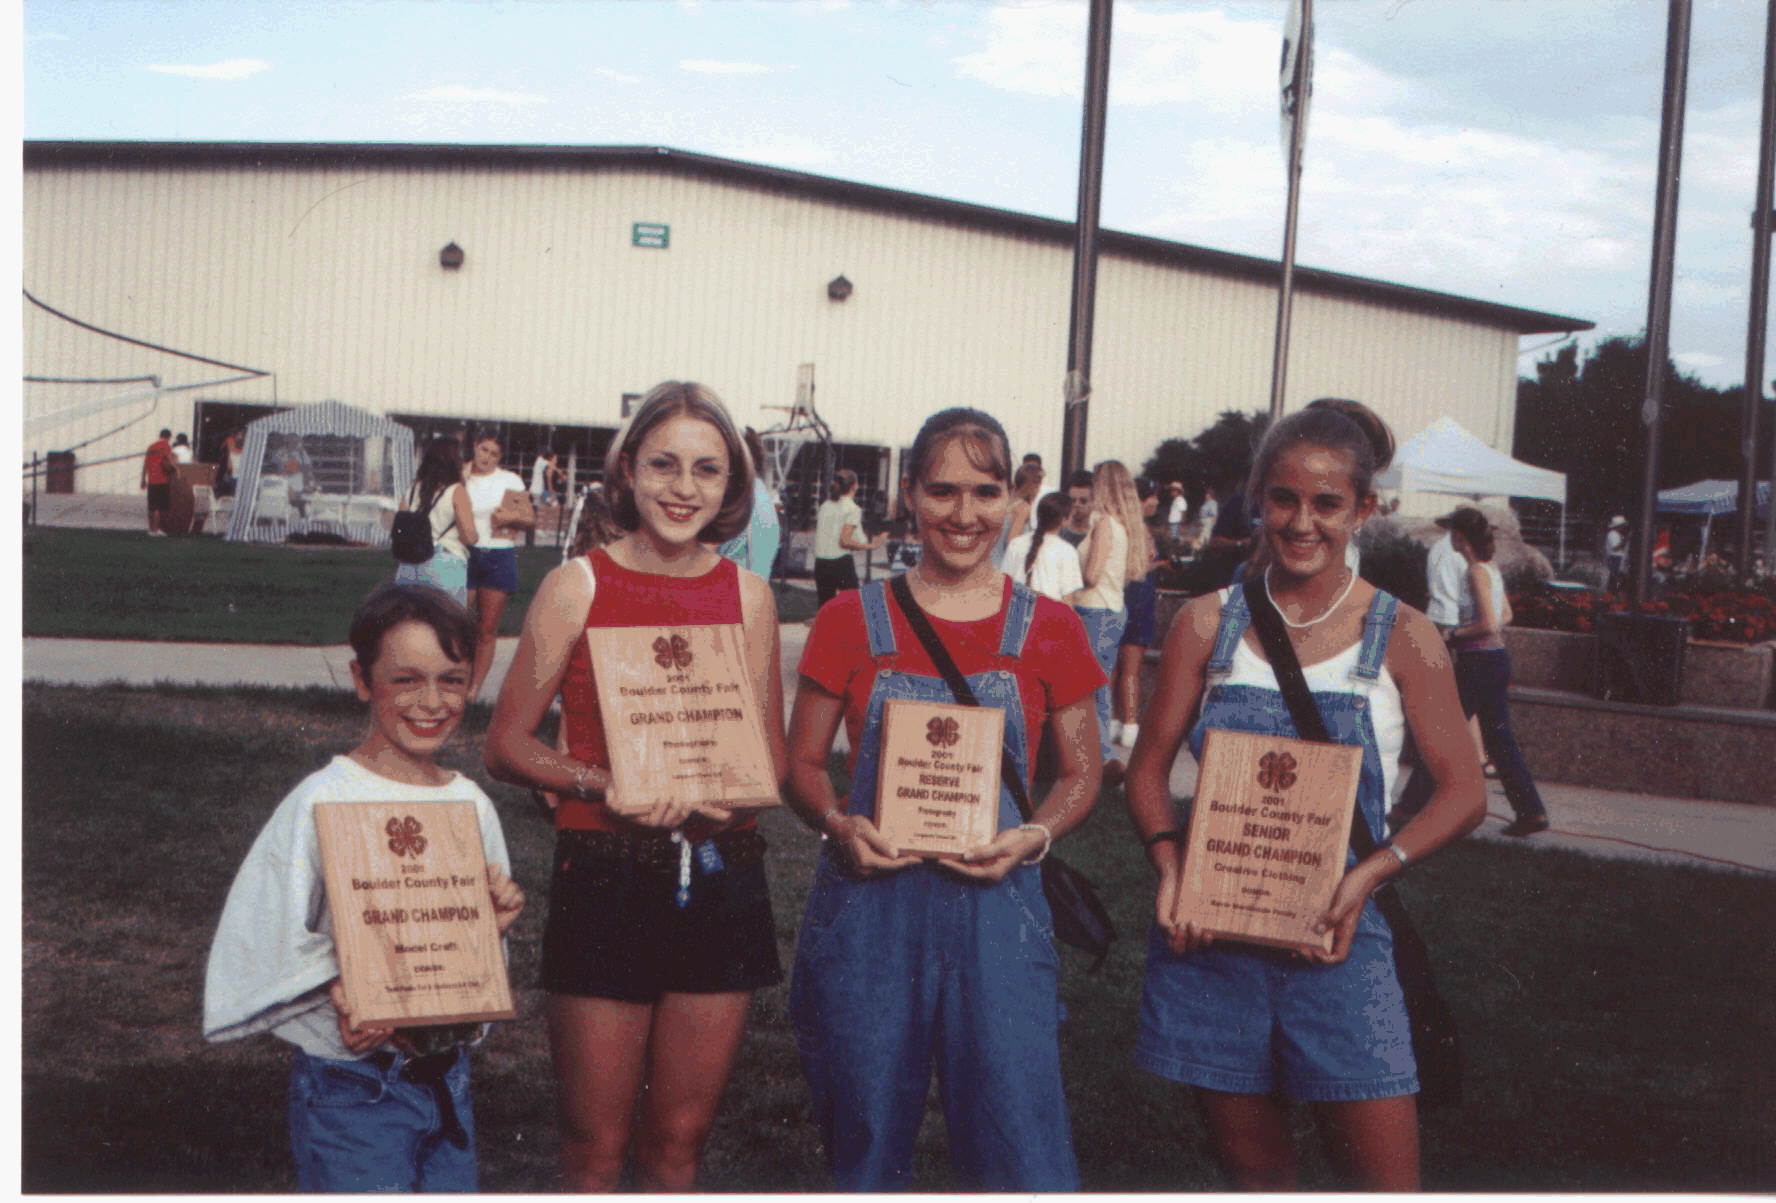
839, 289
451, 257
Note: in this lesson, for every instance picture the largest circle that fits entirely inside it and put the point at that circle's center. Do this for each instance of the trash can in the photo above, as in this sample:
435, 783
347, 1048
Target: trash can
1640, 658
185, 480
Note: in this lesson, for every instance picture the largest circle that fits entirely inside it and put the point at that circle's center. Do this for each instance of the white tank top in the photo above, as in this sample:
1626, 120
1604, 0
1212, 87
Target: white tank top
1386, 713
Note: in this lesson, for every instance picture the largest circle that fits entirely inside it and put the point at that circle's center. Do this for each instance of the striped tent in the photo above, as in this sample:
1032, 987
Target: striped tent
325, 468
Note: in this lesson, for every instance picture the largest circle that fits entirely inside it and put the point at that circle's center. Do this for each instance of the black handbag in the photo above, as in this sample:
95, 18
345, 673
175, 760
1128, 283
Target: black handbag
1080, 917
1436, 1045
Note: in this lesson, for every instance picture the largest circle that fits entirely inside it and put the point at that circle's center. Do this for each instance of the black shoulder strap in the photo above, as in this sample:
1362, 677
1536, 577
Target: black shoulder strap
946, 668
1309, 723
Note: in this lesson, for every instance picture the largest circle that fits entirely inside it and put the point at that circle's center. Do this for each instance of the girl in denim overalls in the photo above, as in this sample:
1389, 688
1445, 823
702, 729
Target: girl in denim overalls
1240, 1022
901, 962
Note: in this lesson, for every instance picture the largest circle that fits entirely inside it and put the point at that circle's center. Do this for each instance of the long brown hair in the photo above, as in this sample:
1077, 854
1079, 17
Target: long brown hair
1114, 496
669, 400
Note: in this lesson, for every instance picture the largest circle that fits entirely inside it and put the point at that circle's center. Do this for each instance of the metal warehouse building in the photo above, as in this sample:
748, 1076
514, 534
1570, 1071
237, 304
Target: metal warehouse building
537, 287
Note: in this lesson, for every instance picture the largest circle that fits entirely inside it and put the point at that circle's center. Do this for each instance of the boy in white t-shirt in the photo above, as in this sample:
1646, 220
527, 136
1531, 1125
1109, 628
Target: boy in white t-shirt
378, 1109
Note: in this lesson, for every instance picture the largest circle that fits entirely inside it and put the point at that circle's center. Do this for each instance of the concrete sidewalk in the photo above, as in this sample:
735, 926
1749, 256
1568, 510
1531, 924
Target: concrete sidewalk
1595, 821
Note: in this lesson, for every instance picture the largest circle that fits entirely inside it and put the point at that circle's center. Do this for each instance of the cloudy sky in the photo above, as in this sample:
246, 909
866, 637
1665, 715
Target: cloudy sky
1502, 149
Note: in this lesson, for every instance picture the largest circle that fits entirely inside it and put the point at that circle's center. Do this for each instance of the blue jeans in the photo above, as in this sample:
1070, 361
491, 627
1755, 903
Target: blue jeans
1483, 681
1103, 630
922, 966
356, 1128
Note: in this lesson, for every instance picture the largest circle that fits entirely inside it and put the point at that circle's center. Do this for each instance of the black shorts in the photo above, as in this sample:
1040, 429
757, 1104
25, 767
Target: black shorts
160, 497
616, 930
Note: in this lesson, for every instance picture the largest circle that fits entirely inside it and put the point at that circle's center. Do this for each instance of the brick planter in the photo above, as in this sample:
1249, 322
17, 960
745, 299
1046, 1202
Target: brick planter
1733, 675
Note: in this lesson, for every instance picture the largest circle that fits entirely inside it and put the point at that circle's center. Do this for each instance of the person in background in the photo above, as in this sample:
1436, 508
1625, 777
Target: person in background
542, 478
1026, 483
838, 531
593, 526
1208, 512
1483, 676
501, 506
1079, 495
234, 443
1175, 514
438, 492
755, 548
181, 449
1115, 552
157, 468
1615, 552
1139, 600
1041, 559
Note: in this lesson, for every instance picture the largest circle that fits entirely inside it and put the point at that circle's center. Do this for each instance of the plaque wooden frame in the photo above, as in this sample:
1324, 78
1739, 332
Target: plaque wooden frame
921, 808
680, 710
412, 921
1268, 834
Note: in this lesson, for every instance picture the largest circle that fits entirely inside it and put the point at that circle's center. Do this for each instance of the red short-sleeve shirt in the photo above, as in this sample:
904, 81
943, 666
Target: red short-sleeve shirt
1056, 670
154, 461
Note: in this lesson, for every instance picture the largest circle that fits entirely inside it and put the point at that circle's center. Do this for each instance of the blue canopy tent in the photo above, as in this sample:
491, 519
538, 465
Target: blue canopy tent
1706, 498
325, 468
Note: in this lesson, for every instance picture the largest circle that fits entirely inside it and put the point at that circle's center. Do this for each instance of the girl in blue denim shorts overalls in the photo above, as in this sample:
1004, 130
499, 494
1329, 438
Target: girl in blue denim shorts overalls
902, 962
1239, 1022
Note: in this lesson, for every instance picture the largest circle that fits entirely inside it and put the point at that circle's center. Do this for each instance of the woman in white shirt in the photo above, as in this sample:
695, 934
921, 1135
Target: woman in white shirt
1115, 552
838, 531
1044, 561
493, 560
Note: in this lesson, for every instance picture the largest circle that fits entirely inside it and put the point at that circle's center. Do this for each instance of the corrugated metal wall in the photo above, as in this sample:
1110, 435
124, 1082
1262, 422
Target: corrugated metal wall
329, 277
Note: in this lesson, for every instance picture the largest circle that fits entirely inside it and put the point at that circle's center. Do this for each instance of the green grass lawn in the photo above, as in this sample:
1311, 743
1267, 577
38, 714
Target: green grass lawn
1616, 1015
92, 584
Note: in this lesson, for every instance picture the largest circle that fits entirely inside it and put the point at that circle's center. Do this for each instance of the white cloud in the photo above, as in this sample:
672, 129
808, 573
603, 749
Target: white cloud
1694, 293
711, 67
234, 68
1698, 359
458, 94
618, 76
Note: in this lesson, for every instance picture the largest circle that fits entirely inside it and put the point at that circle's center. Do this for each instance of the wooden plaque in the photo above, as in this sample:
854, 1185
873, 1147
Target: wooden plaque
937, 788
680, 717
1267, 839
412, 920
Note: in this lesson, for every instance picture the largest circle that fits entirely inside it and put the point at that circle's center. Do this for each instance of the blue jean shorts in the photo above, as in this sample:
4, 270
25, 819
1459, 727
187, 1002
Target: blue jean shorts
493, 568
1242, 1019
357, 1128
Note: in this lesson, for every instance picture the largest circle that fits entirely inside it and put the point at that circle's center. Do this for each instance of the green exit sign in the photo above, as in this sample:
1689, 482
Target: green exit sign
655, 234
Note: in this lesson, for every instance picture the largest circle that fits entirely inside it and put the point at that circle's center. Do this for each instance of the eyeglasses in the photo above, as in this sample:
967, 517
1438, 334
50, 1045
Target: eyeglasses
663, 470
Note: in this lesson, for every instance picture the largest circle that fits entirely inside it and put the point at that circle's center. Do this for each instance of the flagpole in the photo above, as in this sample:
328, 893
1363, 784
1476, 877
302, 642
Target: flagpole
1754, 334
1076, 397
1279, 367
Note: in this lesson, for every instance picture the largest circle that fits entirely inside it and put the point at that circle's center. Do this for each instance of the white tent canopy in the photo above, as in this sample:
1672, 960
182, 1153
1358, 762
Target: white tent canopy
325, 468
1444, 458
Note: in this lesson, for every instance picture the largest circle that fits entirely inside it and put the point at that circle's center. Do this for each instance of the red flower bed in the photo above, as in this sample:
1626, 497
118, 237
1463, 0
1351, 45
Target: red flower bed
1735, 616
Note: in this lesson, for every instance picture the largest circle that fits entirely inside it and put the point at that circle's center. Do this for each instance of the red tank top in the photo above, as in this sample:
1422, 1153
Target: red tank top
622, 597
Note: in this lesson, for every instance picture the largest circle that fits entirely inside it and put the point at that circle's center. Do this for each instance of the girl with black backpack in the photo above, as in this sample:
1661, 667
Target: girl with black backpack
436, 526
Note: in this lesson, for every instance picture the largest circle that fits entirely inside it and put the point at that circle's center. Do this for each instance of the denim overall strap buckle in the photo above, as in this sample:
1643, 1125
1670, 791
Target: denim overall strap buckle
1378, 628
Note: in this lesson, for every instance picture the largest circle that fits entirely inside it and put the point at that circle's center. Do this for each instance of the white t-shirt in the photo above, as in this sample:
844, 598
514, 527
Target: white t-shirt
1208, 513
1446, 572
539, 479
832, 518
1056, 570
1175, 515
273, 954
181, 453
1107, 593
485, 494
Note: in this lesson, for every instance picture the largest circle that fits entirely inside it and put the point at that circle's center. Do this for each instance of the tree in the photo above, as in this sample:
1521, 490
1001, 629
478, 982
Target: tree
1584, 420
1220, 455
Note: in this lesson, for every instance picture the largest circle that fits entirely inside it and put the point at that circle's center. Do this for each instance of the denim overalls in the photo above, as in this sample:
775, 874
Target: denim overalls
920, 963
1243, 1019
